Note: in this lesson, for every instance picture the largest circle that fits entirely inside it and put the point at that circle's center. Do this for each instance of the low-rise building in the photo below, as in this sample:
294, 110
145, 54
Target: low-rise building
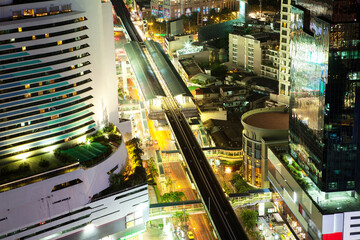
174, 43
262, 127
248, 51
207, 94
188, 68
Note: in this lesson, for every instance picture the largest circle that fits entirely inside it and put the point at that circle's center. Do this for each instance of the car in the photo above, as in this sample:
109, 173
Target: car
190, 235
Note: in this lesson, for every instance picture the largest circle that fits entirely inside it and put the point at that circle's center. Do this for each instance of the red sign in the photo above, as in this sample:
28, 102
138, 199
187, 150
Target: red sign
333, 236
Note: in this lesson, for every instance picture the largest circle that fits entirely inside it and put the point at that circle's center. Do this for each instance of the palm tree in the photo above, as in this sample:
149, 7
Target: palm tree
169, 183
181, 216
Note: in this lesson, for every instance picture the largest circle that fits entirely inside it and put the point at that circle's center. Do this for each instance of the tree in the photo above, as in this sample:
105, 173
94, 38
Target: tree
235, 77
249, 219
134, 141
152, 168
179, 196
44, 163
169, 182
173, 197
239, 183
181, 216
218, 70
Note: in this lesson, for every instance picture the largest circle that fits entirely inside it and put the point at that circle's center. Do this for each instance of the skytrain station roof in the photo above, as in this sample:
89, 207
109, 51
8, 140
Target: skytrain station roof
148, 83
167, 70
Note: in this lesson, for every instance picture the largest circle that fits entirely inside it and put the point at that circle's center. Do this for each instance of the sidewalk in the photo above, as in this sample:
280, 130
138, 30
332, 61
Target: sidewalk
152, 195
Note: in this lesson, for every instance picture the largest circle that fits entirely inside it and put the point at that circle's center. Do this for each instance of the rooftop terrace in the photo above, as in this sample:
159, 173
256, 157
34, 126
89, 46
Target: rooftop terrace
269, 120
90, 152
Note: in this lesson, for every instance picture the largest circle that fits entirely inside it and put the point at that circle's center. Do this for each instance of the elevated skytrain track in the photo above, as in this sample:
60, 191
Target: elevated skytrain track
217, 206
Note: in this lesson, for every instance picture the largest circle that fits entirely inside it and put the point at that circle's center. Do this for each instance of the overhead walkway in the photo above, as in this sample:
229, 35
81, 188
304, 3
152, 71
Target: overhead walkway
253, 197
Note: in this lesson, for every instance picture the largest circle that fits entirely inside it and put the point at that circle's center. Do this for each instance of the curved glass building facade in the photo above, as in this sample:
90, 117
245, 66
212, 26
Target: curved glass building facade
325, 87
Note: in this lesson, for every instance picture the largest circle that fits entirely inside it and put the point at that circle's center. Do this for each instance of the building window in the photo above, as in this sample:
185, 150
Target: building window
59, 42
20, 29
54, 117
29, 12
66, 184
27, 86
333, 186
258, 154
249, 173
23, 48
27, 95
52, 90
130, 220
46, 35
258, 177
42, 110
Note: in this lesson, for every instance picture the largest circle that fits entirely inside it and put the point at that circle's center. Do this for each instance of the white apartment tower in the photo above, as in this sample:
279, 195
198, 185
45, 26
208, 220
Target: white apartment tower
284, 54
57, 85
251, 52
57, 74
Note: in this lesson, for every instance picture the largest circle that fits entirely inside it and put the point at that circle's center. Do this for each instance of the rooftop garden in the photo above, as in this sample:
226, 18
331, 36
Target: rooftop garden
95, 149
133, 173
240, 185
297, 172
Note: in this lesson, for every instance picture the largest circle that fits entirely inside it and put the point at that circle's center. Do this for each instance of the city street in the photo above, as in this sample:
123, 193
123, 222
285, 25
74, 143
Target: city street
200, 226
175, 171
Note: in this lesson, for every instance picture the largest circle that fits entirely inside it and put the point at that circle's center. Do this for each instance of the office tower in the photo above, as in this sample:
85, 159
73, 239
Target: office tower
324, 107
317, 178
58, 85
243, 11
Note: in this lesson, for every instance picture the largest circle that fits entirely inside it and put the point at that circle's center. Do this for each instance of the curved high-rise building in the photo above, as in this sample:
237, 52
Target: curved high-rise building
55, 83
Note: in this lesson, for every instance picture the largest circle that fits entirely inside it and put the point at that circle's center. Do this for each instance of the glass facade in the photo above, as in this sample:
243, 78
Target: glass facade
323, 107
